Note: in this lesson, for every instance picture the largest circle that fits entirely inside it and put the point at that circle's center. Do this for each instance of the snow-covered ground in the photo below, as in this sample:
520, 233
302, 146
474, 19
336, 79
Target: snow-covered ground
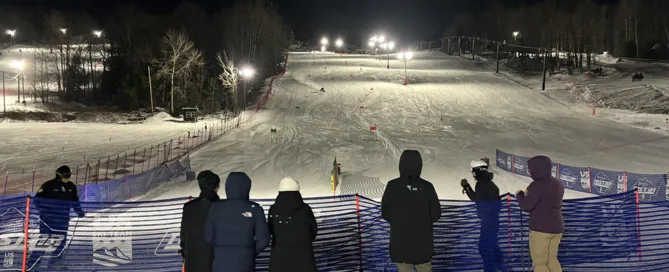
454, 110
46, 146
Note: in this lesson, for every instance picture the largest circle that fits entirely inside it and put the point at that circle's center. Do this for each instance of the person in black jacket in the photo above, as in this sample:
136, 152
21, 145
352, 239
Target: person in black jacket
236, 227
293, 228
411, 206
198, 255
488, 205
53, 200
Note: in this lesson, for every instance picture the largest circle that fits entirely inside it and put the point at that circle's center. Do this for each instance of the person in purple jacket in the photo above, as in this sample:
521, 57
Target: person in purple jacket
543, 201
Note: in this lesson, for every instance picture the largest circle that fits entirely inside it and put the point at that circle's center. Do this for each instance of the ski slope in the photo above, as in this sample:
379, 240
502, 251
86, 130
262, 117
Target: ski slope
454, 110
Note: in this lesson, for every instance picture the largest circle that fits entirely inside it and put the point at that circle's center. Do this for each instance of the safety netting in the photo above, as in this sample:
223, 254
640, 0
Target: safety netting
615, 232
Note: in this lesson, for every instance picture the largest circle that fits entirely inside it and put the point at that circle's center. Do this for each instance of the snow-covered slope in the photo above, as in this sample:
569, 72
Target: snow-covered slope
454, 110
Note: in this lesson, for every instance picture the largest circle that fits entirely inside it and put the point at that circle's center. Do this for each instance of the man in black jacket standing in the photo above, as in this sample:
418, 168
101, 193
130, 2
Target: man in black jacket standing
293, 227
488, 205
198, 255
411, 206
54, 199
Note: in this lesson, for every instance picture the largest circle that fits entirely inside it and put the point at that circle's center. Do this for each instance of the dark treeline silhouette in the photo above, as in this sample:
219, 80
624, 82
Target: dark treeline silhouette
629, 28
180, 49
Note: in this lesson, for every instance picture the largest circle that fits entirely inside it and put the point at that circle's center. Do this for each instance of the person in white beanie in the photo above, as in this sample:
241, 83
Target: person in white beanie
293, 228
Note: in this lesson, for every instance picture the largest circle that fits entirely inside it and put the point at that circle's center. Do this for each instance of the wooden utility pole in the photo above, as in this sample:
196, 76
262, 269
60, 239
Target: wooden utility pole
150, 89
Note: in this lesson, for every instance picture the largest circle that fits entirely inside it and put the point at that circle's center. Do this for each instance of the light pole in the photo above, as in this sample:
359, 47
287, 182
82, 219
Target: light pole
97, 34
339, 43
324, 44
246, 74
405, 56
11, 33
389, 46
515, 36
18, 66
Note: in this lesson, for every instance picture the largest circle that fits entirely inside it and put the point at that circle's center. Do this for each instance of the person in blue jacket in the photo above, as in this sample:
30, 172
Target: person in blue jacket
236, 227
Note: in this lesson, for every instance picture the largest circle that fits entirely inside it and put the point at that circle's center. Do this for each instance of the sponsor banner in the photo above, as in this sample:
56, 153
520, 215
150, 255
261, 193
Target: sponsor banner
605, 182
574, 178
504, 161
651, 187
520, 166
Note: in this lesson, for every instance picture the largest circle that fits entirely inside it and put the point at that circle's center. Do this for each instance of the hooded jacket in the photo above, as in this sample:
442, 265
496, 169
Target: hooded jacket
410, 205
544, 197
198, 255
236, 227
293, 228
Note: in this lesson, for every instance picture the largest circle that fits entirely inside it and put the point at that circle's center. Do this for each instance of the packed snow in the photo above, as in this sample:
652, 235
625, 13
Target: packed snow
453, 110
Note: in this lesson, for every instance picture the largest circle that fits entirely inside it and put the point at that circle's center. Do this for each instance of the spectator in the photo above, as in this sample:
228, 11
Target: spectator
543, 200
488, 206
410, 205
237, 227
293, 228
198, 255
55, 214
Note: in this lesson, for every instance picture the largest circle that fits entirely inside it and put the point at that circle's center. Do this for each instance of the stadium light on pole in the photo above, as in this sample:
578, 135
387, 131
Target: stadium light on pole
382, 39
339, 43
18, 65
405, 56
64, 30
97, 33
390, 47
246, 73
11, 33
324, 41
515, 36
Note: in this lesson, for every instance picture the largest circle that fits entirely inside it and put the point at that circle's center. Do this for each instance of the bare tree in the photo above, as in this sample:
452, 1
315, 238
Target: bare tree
229, 78
179, 58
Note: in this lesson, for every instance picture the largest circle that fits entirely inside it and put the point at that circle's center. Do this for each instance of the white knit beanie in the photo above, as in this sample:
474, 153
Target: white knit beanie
288, 185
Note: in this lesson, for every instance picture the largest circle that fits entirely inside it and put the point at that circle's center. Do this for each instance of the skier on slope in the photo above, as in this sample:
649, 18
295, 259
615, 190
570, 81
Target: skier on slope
488, 206
198, 255
54, 199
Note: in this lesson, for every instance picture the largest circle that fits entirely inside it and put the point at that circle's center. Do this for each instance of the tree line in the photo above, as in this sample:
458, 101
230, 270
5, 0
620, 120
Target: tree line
189, 57
629, 28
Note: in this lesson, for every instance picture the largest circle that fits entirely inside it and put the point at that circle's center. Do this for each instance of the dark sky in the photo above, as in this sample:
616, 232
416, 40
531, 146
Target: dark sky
354, 20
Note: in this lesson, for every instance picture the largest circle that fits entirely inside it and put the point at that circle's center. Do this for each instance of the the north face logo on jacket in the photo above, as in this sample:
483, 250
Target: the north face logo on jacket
247, 214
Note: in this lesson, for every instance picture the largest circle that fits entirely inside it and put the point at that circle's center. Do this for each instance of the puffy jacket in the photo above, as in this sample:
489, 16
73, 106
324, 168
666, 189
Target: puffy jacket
410, 205
293, 228
486, 195
544, 197
57, 211
198, 255
236, 226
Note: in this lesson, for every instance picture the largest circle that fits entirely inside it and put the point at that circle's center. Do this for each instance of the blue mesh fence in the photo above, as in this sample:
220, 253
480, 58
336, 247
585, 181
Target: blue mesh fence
652, 187
612, 232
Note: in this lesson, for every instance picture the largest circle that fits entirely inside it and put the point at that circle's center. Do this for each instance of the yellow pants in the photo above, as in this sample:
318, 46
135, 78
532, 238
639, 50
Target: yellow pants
544, 251
426, 267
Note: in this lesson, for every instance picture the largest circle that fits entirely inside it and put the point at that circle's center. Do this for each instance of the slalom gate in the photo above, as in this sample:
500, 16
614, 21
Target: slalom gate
652, 187
615, 232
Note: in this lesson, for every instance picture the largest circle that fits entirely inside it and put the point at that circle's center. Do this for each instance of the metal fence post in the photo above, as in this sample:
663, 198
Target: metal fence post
116, 165
357, 211
107, 172
6, 180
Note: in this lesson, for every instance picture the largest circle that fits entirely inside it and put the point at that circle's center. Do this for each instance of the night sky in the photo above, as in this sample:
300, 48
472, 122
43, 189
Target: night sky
355, 20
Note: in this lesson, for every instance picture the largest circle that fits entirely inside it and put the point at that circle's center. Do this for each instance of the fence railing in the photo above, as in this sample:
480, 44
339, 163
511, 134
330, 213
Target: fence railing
652, 187
136, 160
613, 232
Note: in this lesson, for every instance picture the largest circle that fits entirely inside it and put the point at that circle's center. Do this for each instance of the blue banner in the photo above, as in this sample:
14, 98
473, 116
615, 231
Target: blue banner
605, 182
651, 187
504, 161
520, 166
574, 178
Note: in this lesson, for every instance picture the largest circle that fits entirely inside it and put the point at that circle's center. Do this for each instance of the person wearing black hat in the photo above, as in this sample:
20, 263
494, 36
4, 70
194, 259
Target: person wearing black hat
53, 200
197, 254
